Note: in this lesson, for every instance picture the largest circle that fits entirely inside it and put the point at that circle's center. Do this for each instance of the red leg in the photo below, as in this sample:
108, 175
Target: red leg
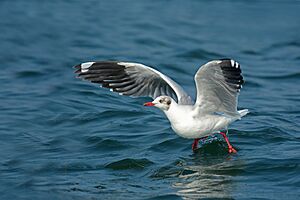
195, 144
230, 148
196, 141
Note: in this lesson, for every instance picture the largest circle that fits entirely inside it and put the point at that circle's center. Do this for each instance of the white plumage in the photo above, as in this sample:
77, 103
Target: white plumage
218, 85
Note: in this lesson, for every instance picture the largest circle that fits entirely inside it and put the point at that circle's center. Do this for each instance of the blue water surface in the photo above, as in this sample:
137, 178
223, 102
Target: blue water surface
62, 138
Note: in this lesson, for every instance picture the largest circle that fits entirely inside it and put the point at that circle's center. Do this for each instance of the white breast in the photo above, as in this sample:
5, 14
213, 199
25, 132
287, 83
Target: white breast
187, 125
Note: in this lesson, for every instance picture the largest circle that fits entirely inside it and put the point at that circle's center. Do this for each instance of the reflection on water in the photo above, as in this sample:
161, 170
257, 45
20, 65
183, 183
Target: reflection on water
208, 175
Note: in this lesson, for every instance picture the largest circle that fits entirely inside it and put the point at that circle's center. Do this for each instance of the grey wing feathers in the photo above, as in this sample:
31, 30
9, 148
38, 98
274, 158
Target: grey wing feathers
218, 85
131, 79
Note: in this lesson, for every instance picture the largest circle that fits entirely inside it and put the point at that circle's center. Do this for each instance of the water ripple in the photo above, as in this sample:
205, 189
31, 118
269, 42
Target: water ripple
201, 54
129, 163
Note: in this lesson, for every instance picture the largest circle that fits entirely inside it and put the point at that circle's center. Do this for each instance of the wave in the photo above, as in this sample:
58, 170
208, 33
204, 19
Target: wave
201, 54
286, 76
129, 163
106, 145
29, 74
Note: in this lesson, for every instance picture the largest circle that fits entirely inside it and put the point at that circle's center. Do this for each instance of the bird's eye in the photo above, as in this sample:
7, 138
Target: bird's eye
160, 101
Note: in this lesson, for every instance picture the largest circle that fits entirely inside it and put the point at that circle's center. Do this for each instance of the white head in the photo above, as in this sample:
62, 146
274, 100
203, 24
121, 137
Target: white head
161, 102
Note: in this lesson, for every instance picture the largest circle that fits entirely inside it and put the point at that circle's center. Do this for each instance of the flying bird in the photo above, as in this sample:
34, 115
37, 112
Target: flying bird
218, 84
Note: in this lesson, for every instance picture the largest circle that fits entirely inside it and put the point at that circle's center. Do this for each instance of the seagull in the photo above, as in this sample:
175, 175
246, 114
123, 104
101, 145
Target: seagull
218, 85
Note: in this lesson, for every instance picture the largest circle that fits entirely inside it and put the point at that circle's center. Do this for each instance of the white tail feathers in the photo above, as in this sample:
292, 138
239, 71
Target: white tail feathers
243, 112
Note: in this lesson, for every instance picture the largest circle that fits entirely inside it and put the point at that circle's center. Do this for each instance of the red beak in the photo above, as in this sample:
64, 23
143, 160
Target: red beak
149, 104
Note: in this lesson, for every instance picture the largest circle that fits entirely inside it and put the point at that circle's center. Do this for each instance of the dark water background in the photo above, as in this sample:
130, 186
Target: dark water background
62, 138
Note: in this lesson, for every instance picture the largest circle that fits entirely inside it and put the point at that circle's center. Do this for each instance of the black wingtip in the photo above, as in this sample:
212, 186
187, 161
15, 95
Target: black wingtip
77, 68
232, 72
77, 71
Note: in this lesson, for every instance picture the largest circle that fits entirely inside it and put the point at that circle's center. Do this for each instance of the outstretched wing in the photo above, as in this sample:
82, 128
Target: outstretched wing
132, 79
218, 85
